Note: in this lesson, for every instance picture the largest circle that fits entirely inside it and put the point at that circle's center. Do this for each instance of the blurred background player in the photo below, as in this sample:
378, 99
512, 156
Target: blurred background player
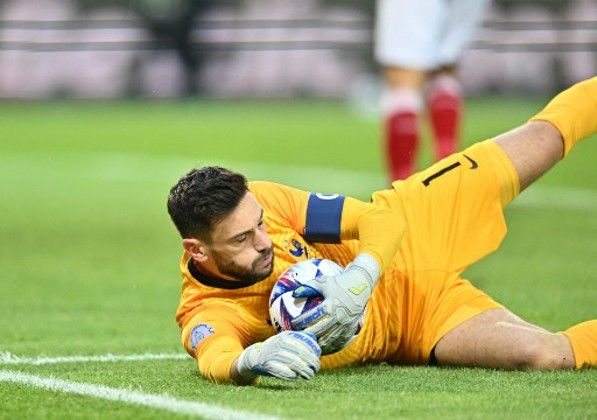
419, 43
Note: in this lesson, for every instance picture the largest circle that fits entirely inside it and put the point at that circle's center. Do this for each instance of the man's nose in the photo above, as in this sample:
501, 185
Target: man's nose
262, 241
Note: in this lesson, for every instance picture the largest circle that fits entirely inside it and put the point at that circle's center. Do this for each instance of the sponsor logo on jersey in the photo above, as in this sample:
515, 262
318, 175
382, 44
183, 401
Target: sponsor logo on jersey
199, 333
474, 164
297, 249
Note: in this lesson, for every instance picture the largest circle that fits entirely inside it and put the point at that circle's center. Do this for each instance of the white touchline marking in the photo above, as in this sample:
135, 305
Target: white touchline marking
7, 358
162, 402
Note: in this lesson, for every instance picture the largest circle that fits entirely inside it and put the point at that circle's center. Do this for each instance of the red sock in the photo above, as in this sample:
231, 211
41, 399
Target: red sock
401, 108
444, 103
402, 137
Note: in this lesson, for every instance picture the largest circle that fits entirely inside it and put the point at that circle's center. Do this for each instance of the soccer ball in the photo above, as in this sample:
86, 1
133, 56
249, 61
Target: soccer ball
283, 308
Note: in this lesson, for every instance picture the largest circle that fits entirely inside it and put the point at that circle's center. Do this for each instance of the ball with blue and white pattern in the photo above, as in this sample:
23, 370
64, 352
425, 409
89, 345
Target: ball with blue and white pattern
284, 308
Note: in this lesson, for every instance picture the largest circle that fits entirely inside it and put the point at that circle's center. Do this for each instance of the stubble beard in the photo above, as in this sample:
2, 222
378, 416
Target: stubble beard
252, 274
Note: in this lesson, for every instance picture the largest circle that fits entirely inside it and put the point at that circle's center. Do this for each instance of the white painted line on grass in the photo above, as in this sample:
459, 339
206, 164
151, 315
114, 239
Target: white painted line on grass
162, 402
7, 358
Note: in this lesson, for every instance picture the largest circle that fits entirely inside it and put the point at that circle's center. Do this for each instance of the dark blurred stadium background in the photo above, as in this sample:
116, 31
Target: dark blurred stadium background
267, 48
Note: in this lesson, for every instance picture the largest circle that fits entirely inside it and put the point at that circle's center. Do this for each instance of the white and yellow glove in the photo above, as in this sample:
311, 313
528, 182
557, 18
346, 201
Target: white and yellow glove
335, 320
287, 355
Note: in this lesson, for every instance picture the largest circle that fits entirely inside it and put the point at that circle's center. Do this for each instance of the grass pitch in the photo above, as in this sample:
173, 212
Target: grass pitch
89, 259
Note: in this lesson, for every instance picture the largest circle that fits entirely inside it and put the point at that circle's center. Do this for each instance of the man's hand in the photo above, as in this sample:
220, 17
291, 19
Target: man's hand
335, 320
287, 355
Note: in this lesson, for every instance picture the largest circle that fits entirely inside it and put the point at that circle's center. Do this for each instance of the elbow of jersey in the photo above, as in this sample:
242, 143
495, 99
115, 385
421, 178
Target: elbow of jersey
393, 219
397, 225
217, 369
394, 228
215, 356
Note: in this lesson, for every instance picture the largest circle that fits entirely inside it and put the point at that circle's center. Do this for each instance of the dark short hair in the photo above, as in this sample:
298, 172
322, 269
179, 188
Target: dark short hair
202, 198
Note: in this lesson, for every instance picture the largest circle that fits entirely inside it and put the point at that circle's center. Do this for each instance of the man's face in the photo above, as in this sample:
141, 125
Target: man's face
240, 247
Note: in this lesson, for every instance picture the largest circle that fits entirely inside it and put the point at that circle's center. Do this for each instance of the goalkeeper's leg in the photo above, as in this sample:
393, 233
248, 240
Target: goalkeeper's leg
538, 145
499, 339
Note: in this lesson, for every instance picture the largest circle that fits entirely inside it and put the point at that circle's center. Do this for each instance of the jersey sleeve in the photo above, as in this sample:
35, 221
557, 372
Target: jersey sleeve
332, 218
285, 203
215, 336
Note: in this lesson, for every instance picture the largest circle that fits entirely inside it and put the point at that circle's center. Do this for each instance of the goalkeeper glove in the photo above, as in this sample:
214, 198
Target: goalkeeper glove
287, 355
335, 320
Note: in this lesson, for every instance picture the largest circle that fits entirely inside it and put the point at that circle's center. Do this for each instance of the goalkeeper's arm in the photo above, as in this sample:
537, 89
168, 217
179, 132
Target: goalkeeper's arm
380, 231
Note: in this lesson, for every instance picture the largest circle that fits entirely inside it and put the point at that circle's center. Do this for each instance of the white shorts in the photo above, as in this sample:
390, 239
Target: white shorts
425, 34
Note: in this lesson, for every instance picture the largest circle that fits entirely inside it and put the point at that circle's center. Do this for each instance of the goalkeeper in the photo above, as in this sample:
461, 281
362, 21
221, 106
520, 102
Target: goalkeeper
405, 253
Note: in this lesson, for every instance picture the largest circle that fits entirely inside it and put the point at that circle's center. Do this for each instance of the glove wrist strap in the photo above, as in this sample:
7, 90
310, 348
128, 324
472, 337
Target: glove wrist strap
368, 266
243, 365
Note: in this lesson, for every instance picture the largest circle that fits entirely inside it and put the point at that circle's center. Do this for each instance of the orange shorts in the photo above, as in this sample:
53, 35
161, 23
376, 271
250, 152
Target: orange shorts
454, 214
440, 302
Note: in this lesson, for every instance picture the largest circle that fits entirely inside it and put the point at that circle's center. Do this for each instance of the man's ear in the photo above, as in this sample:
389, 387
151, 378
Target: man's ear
196, 248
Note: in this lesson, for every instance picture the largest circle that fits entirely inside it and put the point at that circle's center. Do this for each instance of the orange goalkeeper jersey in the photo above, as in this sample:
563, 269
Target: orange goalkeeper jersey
454, 213
219, 317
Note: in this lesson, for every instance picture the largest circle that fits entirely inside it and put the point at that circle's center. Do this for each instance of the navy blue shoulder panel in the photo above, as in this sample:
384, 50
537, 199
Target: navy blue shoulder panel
324, 215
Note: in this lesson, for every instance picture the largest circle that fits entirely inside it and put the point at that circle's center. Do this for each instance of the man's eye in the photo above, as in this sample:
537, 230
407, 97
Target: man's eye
241, 238
260, 223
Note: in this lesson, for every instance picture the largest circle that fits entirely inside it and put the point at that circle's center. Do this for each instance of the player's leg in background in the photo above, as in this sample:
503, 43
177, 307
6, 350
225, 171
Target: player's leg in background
401, 106
444, 105
406, 34
444, 98
499, 339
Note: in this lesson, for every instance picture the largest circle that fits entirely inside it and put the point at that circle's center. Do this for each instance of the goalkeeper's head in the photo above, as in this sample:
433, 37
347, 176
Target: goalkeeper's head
221, 224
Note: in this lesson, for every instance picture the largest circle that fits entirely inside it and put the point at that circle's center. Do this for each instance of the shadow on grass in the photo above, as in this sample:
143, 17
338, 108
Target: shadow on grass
277, 387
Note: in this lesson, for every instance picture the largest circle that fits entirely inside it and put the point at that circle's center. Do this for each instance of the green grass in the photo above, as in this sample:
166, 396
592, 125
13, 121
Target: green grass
89, 259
